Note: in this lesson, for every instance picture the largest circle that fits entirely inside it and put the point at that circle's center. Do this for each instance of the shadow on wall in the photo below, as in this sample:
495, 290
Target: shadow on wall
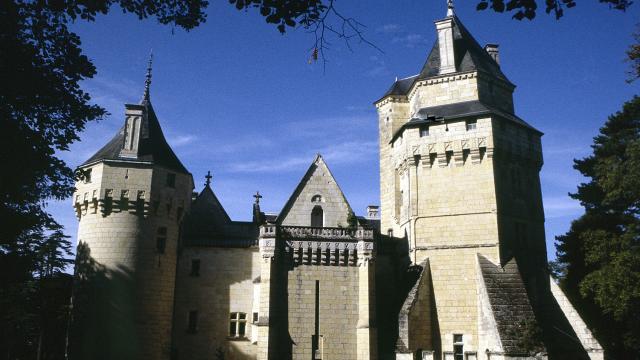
102, 322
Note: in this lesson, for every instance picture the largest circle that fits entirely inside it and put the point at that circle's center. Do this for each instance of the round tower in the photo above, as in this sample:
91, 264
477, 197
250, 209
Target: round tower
130, 200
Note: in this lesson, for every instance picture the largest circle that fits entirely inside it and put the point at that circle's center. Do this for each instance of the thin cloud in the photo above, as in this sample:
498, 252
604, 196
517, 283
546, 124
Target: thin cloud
410, 40
389, 29
561, 206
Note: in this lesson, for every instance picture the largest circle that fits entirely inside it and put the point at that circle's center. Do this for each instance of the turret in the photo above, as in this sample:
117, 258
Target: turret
130, 203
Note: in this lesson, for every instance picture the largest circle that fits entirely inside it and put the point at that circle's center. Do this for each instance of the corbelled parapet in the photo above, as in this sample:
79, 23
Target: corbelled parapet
319, 246
107, 201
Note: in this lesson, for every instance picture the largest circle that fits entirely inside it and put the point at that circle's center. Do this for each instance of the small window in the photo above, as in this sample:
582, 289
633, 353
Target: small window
424, 131
458, 347
192, 325
87, 176
465, 155
316, 198
317, 216
171, 180
255, 317
195, 267
237, 324
161, 240
471, 125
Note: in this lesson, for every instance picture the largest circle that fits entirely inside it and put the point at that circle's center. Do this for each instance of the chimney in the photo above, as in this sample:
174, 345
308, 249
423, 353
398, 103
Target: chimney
373, 212
492, 50
445, 44
134, 115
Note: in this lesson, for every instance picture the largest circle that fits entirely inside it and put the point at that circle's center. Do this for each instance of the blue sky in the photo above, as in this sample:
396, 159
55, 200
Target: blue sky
237, 98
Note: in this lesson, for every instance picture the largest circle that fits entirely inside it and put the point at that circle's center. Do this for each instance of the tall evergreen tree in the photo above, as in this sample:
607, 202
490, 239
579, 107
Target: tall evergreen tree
600, 255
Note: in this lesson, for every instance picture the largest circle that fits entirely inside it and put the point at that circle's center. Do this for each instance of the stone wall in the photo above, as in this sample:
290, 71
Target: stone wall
338, 310
228, 282
317, 188
121, 211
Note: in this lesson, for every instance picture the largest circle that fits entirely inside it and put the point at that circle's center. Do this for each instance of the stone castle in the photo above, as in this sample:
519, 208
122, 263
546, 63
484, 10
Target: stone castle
452, 267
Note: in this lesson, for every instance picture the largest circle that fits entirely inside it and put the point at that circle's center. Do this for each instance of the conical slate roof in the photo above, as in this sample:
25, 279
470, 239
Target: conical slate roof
469, 56
153, 146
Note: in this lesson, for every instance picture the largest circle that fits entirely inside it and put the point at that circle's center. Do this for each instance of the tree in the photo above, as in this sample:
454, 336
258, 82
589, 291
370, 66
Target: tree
633, 55
600, 255
527, 9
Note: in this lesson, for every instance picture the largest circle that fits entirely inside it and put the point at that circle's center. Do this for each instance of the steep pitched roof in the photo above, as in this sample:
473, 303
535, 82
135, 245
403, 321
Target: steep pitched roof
469, 56
153, 147
208, 224
510, 304
318, 165
473, 108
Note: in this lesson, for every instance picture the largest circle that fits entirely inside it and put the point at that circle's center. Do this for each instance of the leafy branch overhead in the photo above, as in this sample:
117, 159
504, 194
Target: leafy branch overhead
527, 9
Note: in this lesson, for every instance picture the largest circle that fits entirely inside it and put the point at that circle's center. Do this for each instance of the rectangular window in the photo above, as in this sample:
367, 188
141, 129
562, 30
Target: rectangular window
161, 239
424, 131
458, 347
171, 180
195, 267
87, 176
237, 324
471, 125
255, 317
192, 325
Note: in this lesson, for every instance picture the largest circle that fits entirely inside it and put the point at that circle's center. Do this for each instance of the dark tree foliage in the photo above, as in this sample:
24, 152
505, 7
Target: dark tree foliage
599, 258
633, 54
527, 9
42, 110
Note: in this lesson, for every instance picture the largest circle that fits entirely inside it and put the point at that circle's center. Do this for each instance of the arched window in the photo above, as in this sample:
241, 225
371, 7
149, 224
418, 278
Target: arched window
316, 198
317, 216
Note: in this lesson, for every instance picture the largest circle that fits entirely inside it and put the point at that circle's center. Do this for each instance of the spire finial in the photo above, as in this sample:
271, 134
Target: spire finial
208, 177
258, 197
147, 81
449, 8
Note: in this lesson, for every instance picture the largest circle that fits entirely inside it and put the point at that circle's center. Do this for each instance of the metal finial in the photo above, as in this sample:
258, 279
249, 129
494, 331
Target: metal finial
258, 197
208, 177
147, 81
449, 7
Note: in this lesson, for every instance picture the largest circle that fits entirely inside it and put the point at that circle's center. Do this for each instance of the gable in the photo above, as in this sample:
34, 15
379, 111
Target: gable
318, 189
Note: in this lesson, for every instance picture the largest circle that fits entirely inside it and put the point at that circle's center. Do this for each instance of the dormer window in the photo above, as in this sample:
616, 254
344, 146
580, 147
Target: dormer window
471, 125
424, 131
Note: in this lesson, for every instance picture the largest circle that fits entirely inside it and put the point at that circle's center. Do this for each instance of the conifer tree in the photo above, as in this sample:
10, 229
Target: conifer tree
599, 257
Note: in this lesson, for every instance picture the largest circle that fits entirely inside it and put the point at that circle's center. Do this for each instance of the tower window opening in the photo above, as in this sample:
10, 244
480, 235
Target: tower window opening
458, 347
255, 317
237, 324
87, 176
171, 180
161, 240
424, 131
317, 216
195, 268
192, 324
471, 125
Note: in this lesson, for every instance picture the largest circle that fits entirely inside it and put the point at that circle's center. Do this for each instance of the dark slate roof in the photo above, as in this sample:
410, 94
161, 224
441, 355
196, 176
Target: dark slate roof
153, 146
509, 303
453, 111
469, 56
208, 224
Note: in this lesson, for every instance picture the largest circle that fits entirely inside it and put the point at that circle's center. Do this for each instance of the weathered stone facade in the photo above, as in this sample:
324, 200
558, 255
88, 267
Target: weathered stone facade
455, 268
